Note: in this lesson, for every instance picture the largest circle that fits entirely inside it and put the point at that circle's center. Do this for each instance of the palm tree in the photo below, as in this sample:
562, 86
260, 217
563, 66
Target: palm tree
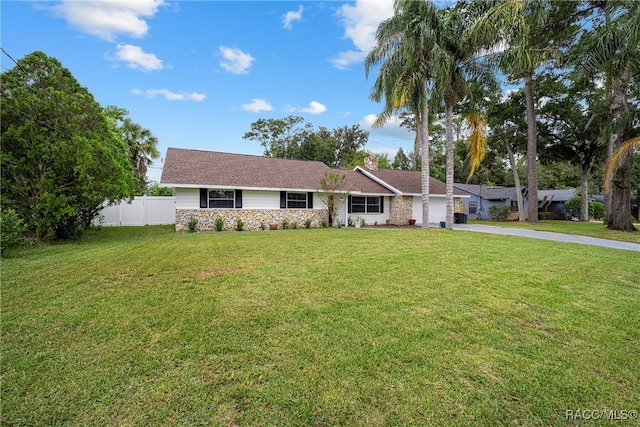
142, 148
452, 87
614, 49
411, 56
515, 30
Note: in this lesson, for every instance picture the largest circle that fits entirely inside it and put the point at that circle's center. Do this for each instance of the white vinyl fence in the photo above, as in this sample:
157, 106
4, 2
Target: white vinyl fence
143, 210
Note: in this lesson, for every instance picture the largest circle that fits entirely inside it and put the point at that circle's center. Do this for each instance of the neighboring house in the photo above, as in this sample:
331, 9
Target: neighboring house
554, 200
265, 190
482, 197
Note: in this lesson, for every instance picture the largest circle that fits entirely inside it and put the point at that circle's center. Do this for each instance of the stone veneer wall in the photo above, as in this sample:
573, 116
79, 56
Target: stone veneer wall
252, 218
401, 210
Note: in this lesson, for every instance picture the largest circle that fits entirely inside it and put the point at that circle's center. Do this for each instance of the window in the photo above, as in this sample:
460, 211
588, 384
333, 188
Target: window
297, 200
473, 207
220, 199
365, 204
514, 205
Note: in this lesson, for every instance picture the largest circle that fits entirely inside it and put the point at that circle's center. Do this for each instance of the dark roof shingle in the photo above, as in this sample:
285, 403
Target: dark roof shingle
212, 168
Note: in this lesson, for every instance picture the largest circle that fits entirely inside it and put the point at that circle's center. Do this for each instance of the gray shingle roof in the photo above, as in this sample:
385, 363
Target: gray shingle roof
489, 192
210, 168
410, 182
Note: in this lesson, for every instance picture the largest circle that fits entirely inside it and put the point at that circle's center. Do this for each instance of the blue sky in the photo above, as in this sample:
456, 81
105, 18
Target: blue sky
198, 73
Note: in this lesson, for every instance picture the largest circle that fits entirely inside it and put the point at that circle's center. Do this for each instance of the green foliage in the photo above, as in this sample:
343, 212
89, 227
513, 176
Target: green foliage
12, 229
219, 223
324, 224
546, 215
239, 224
573, 208
154, 189
307, 223
293, 138
596, 210
193, 223
62, 157
263, 226
294, 225
334, 192
499, 213
285, 224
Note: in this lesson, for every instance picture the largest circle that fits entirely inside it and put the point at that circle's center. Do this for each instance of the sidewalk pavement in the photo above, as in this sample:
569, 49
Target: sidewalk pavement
548, 235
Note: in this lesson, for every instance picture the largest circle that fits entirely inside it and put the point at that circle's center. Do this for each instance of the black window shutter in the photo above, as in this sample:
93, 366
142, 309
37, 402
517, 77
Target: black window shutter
309, 200
238, 199
204, 198
349, 204
381, 204
283, 200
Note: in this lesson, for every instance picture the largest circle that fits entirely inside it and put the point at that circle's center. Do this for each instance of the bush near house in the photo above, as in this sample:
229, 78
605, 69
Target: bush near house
573, 208
499, 213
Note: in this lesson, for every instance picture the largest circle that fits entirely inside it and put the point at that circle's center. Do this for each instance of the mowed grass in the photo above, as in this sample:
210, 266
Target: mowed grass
145, 326
591, 229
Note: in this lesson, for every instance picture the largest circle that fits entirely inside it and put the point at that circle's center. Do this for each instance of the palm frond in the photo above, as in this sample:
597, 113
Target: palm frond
618, 156
477, 142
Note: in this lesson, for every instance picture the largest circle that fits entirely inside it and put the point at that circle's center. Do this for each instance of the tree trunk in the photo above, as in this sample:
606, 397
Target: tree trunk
607, 194
449, 154
424, 137
620, 218
532, 151
584, 194
516, 179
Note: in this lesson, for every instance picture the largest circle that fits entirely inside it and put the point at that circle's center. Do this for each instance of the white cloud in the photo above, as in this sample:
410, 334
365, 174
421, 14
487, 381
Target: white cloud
257, 105
107, 19
170, 96
391, 128
235, 61
136, 58
314, 108
361, 20
291, 17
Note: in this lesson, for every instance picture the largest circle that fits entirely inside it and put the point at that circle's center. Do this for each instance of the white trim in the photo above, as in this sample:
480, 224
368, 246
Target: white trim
379, 181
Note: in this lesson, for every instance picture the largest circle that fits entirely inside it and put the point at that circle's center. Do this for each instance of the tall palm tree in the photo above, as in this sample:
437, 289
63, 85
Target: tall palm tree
452, 86
142, 147
615, 49
411, 56
515, 29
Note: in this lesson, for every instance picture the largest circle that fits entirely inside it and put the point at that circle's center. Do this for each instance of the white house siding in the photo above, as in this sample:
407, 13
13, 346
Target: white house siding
187, 198
437, 209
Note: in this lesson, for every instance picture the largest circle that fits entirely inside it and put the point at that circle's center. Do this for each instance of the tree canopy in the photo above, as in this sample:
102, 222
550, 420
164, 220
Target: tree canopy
62, 156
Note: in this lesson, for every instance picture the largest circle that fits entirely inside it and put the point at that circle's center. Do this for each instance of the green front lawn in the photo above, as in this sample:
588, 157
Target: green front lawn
592, 229
144, 326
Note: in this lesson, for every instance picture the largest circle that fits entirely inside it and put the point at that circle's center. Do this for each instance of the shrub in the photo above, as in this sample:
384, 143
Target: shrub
307, 223
219, 223
597, 210
546, 215
499, 213
285, 224
294, 225
12, 229
263, 226
573, 208
193, 222
239, 224
324, 224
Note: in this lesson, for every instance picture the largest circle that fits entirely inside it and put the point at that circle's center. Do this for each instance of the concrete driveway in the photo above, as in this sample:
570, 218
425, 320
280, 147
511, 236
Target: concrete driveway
547, 235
